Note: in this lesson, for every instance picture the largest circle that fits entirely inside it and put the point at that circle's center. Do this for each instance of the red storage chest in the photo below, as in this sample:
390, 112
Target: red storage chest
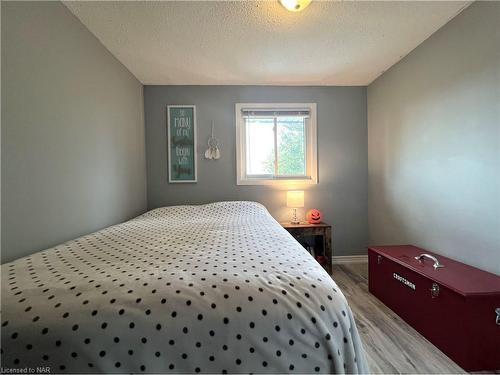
455, 306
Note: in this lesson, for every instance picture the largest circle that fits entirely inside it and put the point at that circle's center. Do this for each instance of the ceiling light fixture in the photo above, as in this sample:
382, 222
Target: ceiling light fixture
295, 5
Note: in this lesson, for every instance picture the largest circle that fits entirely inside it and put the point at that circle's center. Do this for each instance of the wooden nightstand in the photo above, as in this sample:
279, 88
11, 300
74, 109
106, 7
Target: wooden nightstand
301, 232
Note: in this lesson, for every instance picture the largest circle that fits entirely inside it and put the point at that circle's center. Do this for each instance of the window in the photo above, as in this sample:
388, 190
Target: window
276, 143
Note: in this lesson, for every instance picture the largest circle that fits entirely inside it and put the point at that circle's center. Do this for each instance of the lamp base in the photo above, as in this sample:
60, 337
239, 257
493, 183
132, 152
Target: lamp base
294, 217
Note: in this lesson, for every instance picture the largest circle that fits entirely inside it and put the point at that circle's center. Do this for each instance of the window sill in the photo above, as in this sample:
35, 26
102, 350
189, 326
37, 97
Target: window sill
276, 182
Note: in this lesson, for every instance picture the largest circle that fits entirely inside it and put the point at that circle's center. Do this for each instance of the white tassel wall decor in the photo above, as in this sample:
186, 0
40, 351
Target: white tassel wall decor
213, 152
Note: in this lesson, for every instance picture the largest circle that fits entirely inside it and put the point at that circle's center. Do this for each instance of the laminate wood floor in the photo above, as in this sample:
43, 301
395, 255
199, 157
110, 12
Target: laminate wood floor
391, 345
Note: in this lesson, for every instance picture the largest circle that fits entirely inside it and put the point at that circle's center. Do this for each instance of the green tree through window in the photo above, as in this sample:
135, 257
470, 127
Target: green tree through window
290, 135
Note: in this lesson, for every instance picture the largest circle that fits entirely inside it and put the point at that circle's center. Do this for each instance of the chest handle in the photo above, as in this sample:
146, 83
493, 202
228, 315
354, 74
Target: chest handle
436, 264
497, 320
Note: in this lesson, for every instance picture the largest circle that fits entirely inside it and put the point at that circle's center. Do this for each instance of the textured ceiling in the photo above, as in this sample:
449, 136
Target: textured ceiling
259, 42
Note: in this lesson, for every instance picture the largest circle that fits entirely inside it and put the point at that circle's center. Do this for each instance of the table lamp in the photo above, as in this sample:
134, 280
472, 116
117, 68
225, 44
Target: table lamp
295, 199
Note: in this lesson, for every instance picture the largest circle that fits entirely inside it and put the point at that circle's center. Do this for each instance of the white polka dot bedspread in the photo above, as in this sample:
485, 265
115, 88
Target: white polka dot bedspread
216, 288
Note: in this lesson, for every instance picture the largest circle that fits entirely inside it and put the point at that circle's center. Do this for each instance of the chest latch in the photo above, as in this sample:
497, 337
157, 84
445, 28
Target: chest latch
435, 290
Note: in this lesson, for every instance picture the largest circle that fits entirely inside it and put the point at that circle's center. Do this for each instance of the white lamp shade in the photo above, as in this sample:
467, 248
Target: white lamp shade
295, 198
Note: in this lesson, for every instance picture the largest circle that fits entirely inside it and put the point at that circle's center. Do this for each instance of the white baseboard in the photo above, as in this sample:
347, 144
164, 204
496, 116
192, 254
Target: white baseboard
345, 259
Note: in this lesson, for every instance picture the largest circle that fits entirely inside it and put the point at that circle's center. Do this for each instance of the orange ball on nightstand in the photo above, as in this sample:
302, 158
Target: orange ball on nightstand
313, 216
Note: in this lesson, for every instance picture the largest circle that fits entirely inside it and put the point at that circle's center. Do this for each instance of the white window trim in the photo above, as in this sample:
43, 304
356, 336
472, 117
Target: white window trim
311, 140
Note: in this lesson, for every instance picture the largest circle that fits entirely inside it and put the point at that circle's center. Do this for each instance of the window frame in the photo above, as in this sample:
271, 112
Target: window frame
310, 142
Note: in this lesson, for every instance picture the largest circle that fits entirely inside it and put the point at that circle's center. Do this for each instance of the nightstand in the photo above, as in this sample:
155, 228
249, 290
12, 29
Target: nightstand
320, 233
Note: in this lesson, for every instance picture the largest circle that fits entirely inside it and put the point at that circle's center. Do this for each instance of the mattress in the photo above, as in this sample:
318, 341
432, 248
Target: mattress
216, 288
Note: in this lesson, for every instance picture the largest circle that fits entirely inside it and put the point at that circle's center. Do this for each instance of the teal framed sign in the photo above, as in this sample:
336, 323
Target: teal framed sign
181, 130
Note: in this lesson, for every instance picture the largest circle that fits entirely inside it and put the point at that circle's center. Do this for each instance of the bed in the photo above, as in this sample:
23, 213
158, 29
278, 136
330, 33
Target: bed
216, 288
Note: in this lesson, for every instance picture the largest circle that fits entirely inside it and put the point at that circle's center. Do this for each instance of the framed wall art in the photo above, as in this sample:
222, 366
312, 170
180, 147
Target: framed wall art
181, 133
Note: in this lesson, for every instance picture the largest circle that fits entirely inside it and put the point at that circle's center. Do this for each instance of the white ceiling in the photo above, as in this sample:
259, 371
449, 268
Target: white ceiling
259, 42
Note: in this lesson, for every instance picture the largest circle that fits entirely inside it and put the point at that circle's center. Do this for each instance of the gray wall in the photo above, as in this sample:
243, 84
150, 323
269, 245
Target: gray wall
342, 138
73, 150
433, 130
